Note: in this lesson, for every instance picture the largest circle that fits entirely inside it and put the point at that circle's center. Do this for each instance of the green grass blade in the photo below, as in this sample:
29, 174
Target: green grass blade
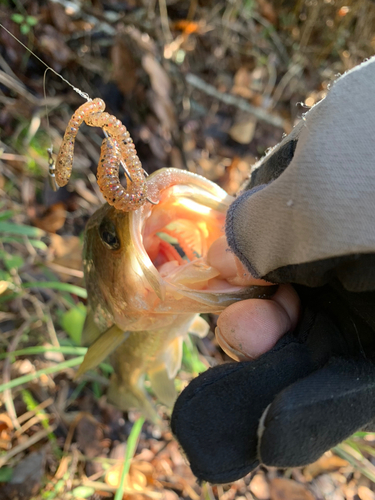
9, 227
7, 214
131, 446
45, 371
356, 459
35, 243
29, 351
56, 285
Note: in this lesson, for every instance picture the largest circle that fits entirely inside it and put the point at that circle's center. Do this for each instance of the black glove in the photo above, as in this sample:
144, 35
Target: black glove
308, 219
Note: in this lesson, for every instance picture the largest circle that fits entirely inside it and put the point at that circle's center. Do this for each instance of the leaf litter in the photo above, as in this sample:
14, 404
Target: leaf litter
202, 85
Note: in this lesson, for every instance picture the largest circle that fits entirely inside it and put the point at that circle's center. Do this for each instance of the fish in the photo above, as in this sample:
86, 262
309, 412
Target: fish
148, 280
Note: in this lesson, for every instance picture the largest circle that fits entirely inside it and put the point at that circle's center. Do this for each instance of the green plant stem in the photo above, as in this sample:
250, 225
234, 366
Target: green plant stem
56, 285
29, 351
131, 446
45, 371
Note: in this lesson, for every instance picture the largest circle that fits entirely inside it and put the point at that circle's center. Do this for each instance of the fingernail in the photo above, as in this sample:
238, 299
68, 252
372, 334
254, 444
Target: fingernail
231, 351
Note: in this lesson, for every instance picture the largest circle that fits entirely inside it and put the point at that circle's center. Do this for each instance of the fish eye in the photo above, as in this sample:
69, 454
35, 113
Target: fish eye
108, 235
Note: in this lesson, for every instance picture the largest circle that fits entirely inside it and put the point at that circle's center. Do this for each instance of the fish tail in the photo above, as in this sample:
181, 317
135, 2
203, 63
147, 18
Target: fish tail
131, 398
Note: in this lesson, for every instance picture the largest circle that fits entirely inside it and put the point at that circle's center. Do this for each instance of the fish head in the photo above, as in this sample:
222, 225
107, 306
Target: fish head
145, 268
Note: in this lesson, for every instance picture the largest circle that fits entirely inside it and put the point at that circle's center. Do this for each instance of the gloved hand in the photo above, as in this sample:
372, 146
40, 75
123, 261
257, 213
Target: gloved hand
307, 218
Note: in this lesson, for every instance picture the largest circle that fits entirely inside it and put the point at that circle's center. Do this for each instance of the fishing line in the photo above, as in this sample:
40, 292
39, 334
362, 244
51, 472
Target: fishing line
84, 95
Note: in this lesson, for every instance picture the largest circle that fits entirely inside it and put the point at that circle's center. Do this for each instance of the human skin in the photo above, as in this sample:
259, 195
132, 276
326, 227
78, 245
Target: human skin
247, 329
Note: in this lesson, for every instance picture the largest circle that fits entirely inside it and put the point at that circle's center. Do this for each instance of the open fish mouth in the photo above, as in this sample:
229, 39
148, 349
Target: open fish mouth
152, 262
175, 236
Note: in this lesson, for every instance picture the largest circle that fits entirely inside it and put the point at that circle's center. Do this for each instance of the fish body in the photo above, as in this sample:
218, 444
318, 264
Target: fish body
148, 280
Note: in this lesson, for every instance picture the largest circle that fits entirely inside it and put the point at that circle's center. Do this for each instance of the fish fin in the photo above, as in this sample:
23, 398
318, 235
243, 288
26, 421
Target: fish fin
164, 370
90, 330
163, 386
101, 348
171, 358
199, 327
131, 398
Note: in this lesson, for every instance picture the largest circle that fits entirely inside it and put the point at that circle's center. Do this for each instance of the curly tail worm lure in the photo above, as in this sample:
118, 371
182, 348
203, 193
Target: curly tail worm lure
117, 149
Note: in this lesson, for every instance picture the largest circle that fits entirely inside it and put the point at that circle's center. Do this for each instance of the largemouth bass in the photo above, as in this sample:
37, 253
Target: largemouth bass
147, 280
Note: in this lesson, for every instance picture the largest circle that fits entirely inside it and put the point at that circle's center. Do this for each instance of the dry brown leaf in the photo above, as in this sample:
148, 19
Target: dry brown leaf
259, 487
365, 493
124, 67
267, 11
6, 428
67, 251
60, 18
136, 480
53, 220
26, 479
242, 83
4, 286
286, 489
326, 463
160, 95
187, 26
52, 44
243, 132
160, 81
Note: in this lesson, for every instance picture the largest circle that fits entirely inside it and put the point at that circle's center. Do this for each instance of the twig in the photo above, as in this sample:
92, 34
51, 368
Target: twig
20, 89
232, 100
38, 436
33, 412
295, 70
65, 270
34, 420
273, 35
165, 21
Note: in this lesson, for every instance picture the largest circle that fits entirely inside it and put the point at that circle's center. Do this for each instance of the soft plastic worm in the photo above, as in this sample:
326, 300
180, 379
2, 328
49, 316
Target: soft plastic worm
134, 195
117, 148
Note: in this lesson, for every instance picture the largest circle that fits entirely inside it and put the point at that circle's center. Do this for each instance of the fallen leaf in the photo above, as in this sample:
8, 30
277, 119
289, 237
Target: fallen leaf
260, 487
328, 486
186, 26
60, 18
6, 428
52, 44
159, 96
160, 81
124, 67
53, 220
326, 463
67, 251
286, 489
365, 493
26, 477
242, 83
4, 286
136, 480
267, 11
243, 132
89, 438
